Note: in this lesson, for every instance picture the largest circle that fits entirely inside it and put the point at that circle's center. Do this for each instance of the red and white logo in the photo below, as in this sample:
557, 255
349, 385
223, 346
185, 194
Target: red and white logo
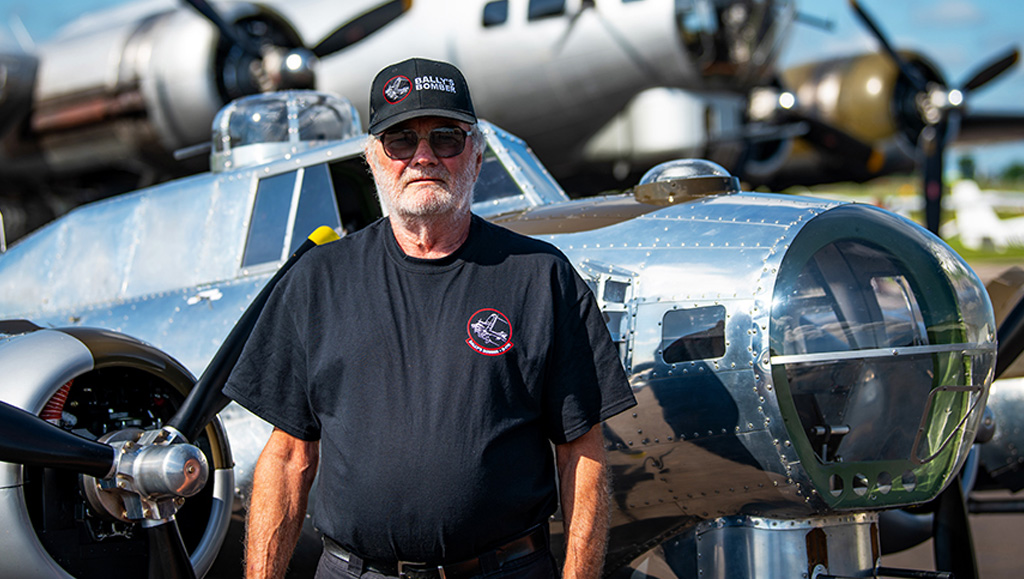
396, 89
490, 332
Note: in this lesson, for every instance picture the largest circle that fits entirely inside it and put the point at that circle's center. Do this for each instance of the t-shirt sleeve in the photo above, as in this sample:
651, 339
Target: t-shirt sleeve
586, 383
269, 378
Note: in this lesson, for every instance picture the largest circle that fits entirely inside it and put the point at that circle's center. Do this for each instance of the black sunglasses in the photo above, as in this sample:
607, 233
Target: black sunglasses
445, 142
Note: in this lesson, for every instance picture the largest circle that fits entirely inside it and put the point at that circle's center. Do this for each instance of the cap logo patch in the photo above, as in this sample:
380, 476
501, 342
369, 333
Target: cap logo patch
435, 83
396, 89
490, 332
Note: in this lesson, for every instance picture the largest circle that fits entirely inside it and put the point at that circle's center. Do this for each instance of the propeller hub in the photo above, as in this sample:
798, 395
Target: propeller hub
291, 69
152, 476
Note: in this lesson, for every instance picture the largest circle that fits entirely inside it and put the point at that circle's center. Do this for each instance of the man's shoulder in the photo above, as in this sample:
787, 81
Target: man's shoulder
353, 243
343, 255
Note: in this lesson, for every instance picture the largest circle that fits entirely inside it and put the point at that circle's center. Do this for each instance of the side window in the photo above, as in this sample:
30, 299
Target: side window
269, 223
495, 13
545, 9
693, 334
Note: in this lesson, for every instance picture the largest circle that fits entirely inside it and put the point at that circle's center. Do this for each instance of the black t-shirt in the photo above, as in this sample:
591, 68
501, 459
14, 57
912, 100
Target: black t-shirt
435, 387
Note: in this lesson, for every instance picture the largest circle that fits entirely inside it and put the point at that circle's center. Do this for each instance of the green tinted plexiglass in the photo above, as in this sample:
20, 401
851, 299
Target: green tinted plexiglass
882, 350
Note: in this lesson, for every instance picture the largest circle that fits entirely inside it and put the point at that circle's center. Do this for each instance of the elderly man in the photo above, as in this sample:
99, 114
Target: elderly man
426, 365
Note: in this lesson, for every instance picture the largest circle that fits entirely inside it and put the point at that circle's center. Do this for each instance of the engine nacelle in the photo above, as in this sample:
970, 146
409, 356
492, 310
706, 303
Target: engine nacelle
165, 78
97, 383
865, 96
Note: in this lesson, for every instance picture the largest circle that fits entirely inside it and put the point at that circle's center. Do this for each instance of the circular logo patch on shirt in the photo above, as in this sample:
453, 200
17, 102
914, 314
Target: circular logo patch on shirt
490, 332
396, 89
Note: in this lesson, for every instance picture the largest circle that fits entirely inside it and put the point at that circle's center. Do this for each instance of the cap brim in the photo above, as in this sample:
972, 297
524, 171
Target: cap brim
389, 122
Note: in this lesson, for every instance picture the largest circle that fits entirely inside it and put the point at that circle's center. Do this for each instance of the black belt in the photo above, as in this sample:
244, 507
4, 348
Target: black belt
533, 541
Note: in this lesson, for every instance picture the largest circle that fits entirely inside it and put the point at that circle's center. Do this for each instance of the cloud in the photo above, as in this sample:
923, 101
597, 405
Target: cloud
951, 14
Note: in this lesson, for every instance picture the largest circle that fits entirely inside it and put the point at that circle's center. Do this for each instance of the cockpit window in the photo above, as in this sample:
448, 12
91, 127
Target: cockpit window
269, 222
316, 205
545, 9
494, 181
495, 13
273, 221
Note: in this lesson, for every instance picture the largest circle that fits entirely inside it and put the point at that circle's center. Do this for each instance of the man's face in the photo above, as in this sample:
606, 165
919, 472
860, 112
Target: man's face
425, 185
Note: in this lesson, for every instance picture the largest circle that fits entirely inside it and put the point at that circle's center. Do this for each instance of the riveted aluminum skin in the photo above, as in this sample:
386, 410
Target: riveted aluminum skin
709, 437
718, 252
844, 545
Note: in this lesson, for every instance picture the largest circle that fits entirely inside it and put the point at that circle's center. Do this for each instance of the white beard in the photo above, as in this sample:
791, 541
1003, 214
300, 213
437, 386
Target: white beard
451, 198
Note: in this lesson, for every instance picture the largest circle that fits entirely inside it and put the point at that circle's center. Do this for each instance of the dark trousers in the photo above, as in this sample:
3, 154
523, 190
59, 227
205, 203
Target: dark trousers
537, 565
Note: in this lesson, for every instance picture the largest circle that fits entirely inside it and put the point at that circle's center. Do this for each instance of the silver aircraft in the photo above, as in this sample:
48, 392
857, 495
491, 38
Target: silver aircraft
802, 366
104, 106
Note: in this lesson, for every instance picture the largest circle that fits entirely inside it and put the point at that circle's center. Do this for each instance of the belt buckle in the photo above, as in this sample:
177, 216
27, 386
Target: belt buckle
402, 565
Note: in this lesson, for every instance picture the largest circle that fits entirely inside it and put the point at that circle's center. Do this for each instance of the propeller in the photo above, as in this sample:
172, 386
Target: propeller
938, 109
205, 400
269, 63
360, 27
26, 439
17, 82
145, 476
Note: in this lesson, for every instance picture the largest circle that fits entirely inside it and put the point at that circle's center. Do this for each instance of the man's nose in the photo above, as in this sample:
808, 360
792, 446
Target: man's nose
424, 155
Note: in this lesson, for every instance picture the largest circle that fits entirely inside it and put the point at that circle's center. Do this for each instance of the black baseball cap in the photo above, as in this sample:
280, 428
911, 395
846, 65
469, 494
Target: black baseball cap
419, 88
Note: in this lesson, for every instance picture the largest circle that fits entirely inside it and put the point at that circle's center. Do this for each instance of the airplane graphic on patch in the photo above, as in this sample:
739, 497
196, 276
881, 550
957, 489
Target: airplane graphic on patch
489, 332
484, 329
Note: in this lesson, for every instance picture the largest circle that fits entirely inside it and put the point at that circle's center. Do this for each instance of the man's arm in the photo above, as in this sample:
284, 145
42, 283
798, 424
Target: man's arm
584, 488
280, 492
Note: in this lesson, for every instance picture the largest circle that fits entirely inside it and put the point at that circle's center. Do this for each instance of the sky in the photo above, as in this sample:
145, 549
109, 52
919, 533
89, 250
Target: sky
958, 36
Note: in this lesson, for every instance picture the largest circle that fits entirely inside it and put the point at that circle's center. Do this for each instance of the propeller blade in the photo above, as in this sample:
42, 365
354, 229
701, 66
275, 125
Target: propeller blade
931, 145
167, 556
908, 71
360, 27
27, 439
206, 400
953, 545
988, 128
835, 141
1010, 337
993, 70
17, 82
226, 29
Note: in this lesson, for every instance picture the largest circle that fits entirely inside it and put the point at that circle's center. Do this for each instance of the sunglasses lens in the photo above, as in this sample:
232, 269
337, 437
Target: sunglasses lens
445, 142
400, 144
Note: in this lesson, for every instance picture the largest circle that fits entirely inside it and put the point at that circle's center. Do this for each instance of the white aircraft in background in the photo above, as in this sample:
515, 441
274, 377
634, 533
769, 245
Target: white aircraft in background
977, 223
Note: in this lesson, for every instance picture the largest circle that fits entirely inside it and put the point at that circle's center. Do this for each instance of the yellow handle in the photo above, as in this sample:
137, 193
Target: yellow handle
323, 235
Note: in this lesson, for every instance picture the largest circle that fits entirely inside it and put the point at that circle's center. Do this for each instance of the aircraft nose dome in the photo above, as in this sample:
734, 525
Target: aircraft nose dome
260, 128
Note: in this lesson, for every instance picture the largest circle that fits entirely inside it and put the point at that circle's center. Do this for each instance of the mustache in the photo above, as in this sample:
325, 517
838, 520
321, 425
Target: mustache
422, 173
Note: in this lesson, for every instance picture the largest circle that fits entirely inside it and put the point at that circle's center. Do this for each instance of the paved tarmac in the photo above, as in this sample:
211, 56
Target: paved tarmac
998, 543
